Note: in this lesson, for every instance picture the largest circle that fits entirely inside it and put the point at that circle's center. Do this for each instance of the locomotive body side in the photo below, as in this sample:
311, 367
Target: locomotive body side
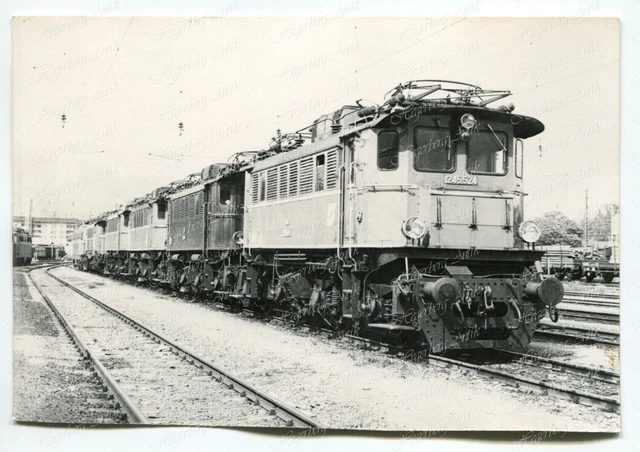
117, 246
203, 222
148, 227
78, 245
186, 220
89, 239
293, 200
112, 234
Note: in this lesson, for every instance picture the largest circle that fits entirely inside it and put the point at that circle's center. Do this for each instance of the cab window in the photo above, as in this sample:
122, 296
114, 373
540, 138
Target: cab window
519, 158
388, 150
162, 209
487, 153
225, 194
433, 151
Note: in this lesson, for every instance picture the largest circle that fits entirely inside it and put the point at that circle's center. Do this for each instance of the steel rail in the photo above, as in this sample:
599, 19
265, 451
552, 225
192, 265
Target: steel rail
134, 414
588, 295
600, 317
583, 302
592, 300
291, 416
537, 385
603, 375
593, 283
577, 333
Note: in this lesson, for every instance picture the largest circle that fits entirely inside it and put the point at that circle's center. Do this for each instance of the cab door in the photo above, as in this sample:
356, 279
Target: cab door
350, 194
225, 212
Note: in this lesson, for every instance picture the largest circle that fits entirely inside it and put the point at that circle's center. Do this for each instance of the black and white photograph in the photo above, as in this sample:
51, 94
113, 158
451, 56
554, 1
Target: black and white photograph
317, 224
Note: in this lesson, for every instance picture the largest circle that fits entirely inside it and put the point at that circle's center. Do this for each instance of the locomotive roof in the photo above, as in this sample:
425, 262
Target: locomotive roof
420, 97
202, 184
188, 191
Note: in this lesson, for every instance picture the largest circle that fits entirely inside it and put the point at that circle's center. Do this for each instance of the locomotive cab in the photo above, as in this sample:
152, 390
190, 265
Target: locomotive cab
449, 180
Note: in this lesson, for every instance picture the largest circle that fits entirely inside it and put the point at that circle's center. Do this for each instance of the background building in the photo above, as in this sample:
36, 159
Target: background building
47, 230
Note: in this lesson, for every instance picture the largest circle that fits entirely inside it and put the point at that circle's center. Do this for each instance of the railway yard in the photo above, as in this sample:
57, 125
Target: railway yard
104, 351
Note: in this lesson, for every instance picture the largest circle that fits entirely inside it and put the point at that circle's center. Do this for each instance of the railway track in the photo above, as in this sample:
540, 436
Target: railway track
577, 334
156, 380
116, 409
601, 375
515, 375
607, 318
590, 295
548, 383
592, 300
595, 304
593, 283
519, 373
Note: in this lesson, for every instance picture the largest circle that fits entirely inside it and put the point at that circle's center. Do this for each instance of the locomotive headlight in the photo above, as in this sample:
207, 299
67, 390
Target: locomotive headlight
468, 121
414, 228
238, 238
529, 232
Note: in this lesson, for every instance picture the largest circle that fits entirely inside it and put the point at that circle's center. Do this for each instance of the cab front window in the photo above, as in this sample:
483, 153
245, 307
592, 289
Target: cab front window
487, 153
433, 150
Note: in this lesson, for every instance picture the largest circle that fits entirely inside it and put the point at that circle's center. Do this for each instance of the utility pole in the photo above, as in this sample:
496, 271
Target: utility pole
27, 223
586, 218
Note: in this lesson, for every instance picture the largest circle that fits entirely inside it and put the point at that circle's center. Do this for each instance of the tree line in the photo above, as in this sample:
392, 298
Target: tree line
558, 229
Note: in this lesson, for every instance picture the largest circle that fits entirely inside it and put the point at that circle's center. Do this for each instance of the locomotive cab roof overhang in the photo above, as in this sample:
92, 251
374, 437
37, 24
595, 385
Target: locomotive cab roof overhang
523, 126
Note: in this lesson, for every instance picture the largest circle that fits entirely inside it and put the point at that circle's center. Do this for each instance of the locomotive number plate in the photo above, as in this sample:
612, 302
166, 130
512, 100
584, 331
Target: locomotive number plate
461, 180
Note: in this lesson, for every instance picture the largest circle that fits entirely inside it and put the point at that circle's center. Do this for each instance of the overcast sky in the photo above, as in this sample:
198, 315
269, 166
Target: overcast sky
124, 85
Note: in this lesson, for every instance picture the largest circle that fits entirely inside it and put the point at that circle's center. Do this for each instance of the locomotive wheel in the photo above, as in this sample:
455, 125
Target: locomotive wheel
196, 291
344, 327
607, 278
559, 276
590, 278
264, 307
336, 323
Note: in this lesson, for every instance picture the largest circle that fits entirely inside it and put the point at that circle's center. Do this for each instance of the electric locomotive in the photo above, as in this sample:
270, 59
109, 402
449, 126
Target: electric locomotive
403, 219
22, 247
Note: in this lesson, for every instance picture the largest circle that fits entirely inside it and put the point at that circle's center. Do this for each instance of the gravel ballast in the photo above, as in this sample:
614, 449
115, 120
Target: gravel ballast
335, 383
51, 383
165, 387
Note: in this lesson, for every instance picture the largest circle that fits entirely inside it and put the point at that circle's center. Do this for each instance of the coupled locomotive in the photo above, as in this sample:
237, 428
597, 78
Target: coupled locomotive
402, 219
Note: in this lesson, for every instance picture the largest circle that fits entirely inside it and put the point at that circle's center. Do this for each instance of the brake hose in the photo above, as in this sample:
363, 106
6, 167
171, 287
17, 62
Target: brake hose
518, 315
